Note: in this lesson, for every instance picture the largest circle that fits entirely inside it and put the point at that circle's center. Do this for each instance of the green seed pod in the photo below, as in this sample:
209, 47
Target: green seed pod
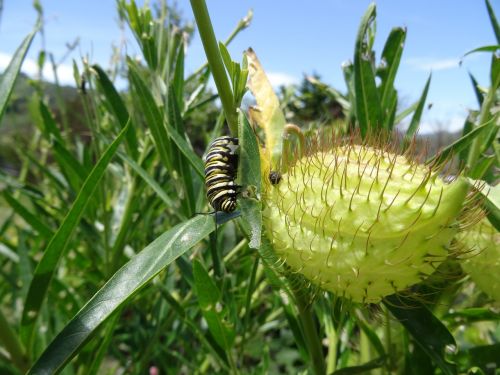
362, 222
482, 261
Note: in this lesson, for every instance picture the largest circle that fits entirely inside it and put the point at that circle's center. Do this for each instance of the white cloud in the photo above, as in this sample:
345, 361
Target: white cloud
30, 67
427, 63
281, 79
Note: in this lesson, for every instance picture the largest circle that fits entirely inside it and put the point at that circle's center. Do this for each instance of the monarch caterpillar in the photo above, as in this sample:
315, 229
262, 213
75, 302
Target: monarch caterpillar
221, 165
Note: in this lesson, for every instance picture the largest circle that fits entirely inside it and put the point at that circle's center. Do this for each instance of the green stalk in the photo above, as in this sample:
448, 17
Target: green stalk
331, 359
242, 24
388, 340
11, 343
311, 337
215, 62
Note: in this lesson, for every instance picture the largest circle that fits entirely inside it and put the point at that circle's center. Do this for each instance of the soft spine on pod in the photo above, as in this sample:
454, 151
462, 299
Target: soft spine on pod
360, 221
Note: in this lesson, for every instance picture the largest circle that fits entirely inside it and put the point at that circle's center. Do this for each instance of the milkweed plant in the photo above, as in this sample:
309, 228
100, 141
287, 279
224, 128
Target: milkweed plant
323, 247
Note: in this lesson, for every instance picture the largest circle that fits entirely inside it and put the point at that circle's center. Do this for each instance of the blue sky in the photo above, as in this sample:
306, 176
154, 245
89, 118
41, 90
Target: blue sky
292, 39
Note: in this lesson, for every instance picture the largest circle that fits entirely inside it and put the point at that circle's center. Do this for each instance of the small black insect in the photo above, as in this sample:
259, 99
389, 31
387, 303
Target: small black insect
275, 177
221, 166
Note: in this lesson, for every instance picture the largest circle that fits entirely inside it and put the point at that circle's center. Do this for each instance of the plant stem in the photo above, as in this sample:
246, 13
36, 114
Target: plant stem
331, 334
388, 339
243, 24
215, 62
311, 337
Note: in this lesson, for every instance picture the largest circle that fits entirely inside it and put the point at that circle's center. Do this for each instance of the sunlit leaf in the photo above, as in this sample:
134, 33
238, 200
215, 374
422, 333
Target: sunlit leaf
267, 114
249, 175
9, 76
120, 289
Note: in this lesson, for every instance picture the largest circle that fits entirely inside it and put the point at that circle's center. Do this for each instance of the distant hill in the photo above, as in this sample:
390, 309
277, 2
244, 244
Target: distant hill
17, 124
16, 127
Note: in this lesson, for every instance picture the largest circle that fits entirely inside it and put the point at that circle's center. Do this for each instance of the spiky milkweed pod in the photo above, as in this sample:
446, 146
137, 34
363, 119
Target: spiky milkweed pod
361, 221
481, 259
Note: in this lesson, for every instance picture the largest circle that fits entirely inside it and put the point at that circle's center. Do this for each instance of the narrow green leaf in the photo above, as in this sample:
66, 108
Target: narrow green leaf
182, 145
226, 58
50, 127
361, 369
372, 336
492, 49
491, 195
209, 299
468, 126
10, 343
178, 81
186, 155
415, 120
250, 179
30, 218
482, 166
148, 179
405, 112
8, 253
9, 76
391, 57
120, 289
368, 110
199, 104
57, 245
471, 315
348, 71
118, 108
493, 20
103, 346
153, 114
462, 143
70, 166
477, 90
427, 330
208, 342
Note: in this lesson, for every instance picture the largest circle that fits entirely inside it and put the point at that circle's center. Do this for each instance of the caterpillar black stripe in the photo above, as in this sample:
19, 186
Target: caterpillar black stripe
221, 165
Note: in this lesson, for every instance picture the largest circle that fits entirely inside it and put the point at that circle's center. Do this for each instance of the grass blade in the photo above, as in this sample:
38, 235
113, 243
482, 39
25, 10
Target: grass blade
391, 56
492, 48
120, 289
118, 109
477, 90
153, 115
415, 120
461, 144
183, 145
491, 196
493, 20
9, 76
57, 245
30, 218
148, 179
368, 110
